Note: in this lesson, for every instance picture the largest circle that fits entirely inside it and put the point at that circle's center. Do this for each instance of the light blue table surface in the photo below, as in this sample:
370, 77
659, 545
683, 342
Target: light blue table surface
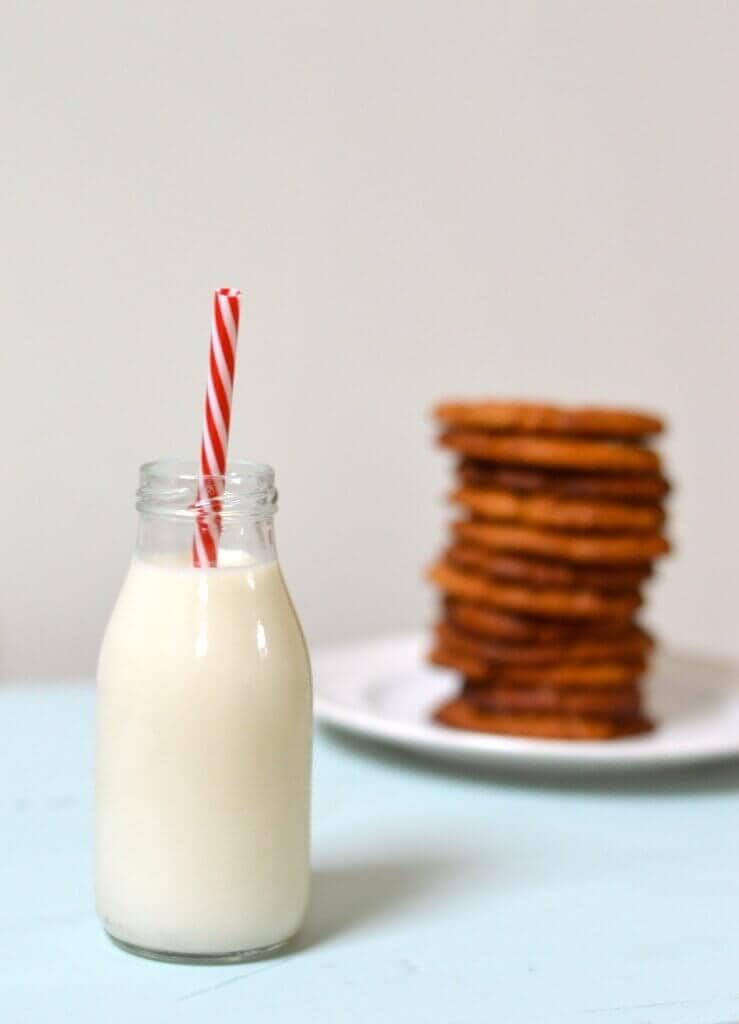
439, 895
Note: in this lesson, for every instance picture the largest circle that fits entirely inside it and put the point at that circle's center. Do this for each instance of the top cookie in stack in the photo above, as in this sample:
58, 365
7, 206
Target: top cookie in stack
562, 519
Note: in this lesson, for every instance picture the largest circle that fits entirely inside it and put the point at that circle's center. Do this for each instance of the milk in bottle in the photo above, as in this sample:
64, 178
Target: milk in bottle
203, 734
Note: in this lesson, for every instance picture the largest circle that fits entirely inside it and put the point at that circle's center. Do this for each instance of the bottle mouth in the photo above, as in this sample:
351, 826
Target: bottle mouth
174, 487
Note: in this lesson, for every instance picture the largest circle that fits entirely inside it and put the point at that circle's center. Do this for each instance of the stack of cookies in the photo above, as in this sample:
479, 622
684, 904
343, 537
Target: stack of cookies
560, 521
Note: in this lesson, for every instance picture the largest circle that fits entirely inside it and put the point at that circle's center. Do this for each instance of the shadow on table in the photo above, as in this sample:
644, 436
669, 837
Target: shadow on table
675, 781
350, 896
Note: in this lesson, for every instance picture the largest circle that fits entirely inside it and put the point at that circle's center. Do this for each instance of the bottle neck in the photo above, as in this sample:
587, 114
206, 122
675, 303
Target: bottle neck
169, 540
173, 497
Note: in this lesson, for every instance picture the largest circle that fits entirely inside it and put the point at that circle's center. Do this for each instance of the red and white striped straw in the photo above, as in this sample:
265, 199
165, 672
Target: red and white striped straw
216, 424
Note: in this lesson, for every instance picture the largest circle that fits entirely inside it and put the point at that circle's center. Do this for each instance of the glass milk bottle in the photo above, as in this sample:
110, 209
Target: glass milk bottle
203, 733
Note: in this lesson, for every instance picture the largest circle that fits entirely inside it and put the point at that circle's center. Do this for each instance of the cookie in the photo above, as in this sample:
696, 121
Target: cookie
566, 547
630, 488
571, 673
633, 645
558, 513
538, 572
513, 628
459, 714
613, 700
547, 603
587, 674
537, 418
568, 453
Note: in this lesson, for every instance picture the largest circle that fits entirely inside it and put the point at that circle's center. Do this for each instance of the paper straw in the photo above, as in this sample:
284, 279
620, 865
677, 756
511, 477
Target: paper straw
216, 424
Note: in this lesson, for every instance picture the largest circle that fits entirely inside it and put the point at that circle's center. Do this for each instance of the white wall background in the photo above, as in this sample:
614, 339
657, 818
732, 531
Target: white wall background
419, 200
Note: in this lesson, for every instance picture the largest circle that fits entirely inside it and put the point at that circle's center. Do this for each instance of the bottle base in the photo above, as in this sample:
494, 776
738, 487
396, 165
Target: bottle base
207, 959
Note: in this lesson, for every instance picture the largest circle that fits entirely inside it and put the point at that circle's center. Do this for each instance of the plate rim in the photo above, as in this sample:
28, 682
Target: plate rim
428, 739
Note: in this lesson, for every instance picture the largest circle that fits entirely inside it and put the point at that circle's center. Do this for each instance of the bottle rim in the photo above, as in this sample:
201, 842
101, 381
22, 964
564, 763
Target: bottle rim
174, 487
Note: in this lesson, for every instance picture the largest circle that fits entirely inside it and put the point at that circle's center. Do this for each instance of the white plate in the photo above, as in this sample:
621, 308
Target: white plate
382, 689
